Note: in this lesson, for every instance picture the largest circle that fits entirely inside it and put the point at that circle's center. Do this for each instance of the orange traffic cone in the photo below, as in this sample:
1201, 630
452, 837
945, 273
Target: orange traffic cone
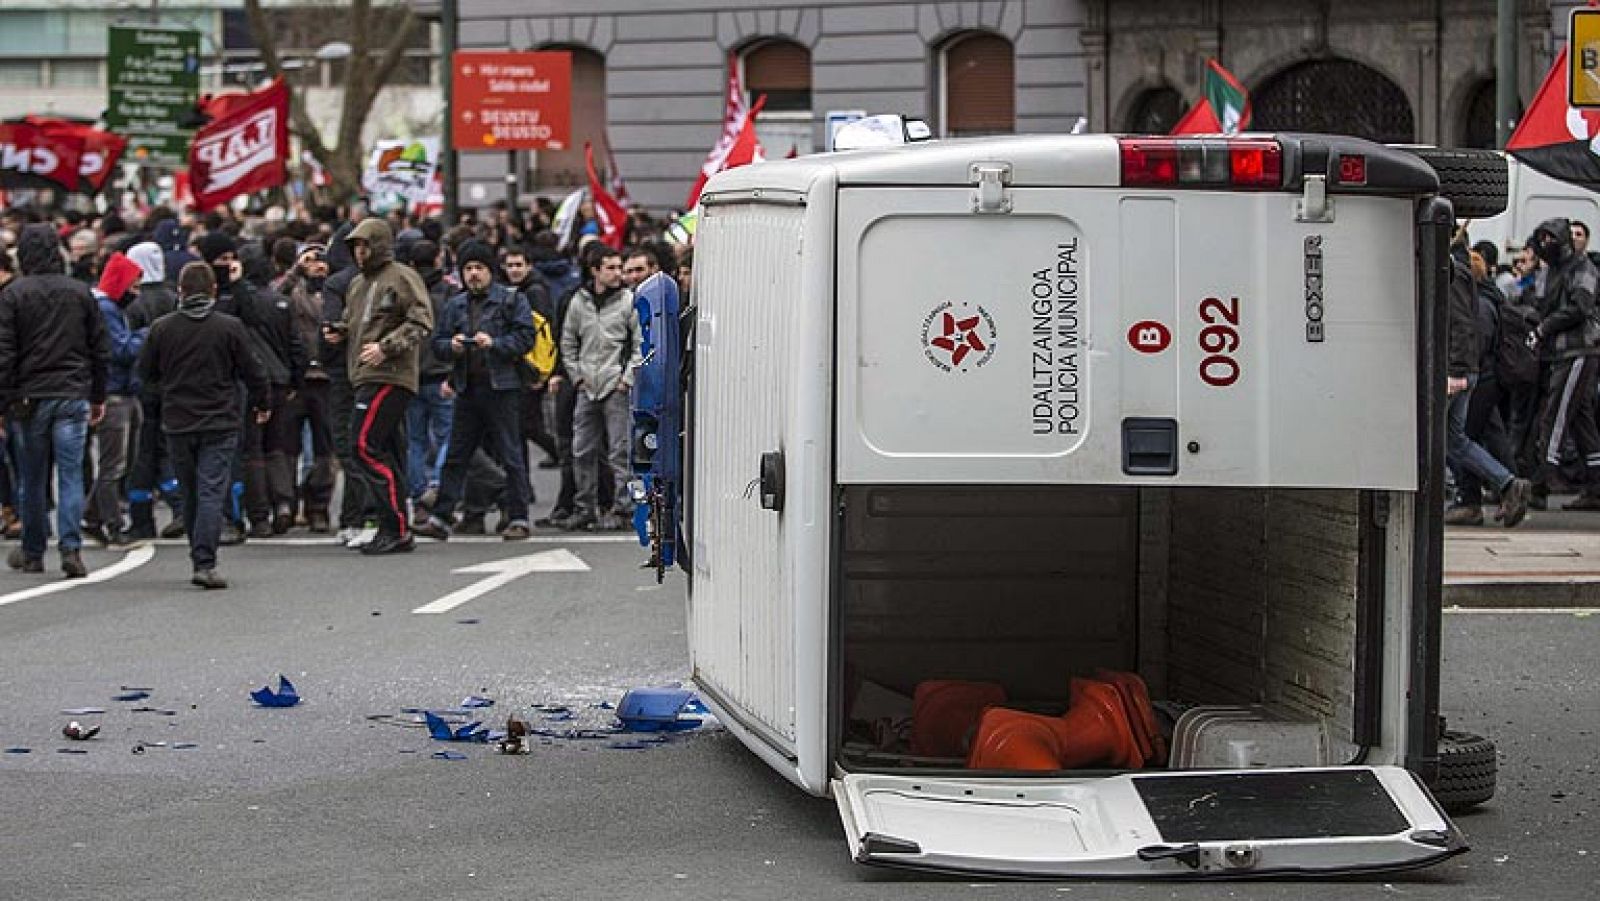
1142, 716
1094, 732
945, 712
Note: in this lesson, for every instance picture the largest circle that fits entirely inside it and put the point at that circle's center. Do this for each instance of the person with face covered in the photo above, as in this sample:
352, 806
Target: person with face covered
269, 319
386, 318
485, 330
1568, 339
114, 436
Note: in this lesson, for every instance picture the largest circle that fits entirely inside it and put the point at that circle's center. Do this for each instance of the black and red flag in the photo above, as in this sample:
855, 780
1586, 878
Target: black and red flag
1556, 138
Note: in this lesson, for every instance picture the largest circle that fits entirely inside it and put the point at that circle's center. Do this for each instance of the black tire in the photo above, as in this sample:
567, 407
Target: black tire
1468, 770
1474, 181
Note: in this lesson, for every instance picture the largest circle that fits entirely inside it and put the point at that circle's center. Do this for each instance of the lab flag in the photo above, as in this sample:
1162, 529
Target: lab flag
745, 148
1224, 107
245, 151
1556, 138
612, 216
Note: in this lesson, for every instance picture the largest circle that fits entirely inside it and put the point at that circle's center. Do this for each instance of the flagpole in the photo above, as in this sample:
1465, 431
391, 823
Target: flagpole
452, 175
1505, 85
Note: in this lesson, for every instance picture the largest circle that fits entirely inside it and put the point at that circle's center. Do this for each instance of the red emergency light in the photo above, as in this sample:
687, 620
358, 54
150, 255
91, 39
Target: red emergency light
1243, 163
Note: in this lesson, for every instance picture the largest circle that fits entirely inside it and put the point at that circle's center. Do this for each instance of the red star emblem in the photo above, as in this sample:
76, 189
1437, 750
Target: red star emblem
959, 339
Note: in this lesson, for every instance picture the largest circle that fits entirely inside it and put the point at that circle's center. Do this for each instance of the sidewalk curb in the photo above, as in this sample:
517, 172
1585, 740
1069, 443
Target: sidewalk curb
1575, 594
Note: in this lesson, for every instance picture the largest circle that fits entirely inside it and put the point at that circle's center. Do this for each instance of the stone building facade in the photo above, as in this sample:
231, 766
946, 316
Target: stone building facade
649, 77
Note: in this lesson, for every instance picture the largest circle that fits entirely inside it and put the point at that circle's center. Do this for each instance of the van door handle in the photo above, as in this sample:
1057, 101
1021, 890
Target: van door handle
772, 481
1188, 855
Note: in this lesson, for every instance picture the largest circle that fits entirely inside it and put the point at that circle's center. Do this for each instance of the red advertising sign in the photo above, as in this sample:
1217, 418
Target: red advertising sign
31, 156
512, 101
243, 152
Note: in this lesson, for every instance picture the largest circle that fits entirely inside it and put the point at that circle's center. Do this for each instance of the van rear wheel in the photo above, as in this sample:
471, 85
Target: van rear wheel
1468, 770
1474, 181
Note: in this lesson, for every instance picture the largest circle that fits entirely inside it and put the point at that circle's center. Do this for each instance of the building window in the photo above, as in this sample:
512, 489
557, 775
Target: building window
1370, 105
20, 73
977, 85
565, 168
75, 73
1478, 125
1155, 112
780, 70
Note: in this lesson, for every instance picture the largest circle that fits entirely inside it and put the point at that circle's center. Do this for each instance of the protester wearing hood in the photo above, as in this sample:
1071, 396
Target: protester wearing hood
307, 408
173, 240
485, 330
269, 454
114, 436
156, 299
54, 356
1568, 338
198, 358
386, 317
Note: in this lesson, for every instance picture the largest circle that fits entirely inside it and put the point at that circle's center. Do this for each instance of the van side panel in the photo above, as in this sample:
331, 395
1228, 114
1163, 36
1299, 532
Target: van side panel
750, 315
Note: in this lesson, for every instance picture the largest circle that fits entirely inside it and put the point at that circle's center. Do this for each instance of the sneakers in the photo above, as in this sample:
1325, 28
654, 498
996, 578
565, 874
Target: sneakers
209, 579
72, 565
389, 544
317, 522
1514, 502
282, 519
347, 535
582, 521
21, 562
173, 530
429, 497
472, 524
262, 528
608, 522
1470, 515
1583, 501
432, 527
517, 531
232, 534
556, 520
363, 538
97, 533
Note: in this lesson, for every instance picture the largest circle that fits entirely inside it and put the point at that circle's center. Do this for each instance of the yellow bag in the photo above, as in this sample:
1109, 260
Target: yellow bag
541, 360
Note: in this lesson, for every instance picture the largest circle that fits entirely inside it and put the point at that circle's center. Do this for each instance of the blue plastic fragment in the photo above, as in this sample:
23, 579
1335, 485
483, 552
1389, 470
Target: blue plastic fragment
660, 710
448, 755
71, 751
285, 696
131, 696
19, 750
182, 745
605, 705
441, 731
477, 701
562, 717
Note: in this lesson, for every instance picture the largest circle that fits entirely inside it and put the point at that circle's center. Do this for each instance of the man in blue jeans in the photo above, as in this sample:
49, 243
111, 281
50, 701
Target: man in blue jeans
198, 357
54, 355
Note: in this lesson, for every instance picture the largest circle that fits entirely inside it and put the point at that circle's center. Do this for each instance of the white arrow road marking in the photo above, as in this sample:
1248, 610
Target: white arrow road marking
505, 572
132, 560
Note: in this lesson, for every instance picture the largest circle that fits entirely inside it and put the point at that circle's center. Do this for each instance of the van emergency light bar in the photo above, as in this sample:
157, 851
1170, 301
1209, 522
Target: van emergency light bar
1243, 163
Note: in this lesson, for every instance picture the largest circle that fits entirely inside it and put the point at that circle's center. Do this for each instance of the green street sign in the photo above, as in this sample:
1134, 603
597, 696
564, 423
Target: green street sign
154, 81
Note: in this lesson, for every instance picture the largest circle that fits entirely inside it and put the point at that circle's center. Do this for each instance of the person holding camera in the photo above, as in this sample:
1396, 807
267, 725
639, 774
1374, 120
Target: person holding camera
307, 408
387, 316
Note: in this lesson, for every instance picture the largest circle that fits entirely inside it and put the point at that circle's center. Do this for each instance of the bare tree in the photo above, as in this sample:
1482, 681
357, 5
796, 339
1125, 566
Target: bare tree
378, 35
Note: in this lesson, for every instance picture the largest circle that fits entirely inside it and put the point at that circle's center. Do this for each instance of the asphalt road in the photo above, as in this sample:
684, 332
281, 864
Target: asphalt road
339, 797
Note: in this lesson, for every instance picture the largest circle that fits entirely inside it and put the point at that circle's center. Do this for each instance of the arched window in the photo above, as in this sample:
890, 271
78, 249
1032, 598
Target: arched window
1155, 111
1477, 117
781, 70
1334, 96
977, 85
565, 168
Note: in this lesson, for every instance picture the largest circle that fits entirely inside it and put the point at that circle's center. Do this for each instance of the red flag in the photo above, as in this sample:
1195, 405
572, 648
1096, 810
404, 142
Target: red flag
1199, 120
101, 149
32, 157
735, 111
1224, 106
619, 188
612, 215
244, 151
744, 148
1555, 138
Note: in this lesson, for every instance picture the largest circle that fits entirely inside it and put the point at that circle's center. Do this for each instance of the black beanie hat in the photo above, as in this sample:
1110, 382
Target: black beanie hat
215, 244
475, 251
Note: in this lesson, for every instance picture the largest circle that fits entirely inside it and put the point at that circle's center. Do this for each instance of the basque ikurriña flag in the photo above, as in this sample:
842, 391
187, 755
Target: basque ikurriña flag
1556, 139
1224, 108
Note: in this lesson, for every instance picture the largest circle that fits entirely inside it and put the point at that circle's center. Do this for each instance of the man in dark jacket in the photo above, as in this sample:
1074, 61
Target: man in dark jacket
156, 299
199, 357
54, 357
309, 407
114, 436
1569, 340
521, 276
485, 330
267, 317
429, 416
1465, 345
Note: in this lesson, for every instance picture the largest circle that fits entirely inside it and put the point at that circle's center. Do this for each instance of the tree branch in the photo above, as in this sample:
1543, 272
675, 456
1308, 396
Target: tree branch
267, 43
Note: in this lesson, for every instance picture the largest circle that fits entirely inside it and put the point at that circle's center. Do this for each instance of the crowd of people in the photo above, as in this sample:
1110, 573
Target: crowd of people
238, 370
1524, 365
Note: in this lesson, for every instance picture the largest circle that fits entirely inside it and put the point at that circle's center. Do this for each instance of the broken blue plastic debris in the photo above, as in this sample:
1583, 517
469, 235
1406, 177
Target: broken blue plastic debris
285, 696
628, 746
448, 755
83, 711
477, 701
441, 731
138, 695
19, 750
658, 710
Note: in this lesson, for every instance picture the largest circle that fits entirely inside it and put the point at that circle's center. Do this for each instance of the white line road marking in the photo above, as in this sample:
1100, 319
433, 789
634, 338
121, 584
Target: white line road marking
628, 538
1580, 612
130, 561
504, 572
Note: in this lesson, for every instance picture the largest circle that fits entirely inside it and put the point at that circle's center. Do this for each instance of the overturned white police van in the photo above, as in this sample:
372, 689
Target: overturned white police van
1069, 505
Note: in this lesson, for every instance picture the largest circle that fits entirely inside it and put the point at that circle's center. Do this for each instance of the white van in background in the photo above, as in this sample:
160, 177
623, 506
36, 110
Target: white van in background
1532, 198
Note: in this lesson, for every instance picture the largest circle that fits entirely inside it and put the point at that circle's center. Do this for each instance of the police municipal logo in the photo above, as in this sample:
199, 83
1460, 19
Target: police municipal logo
958, 336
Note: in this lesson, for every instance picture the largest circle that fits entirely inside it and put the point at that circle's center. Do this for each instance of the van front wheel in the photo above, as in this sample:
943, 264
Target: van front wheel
1468, 769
